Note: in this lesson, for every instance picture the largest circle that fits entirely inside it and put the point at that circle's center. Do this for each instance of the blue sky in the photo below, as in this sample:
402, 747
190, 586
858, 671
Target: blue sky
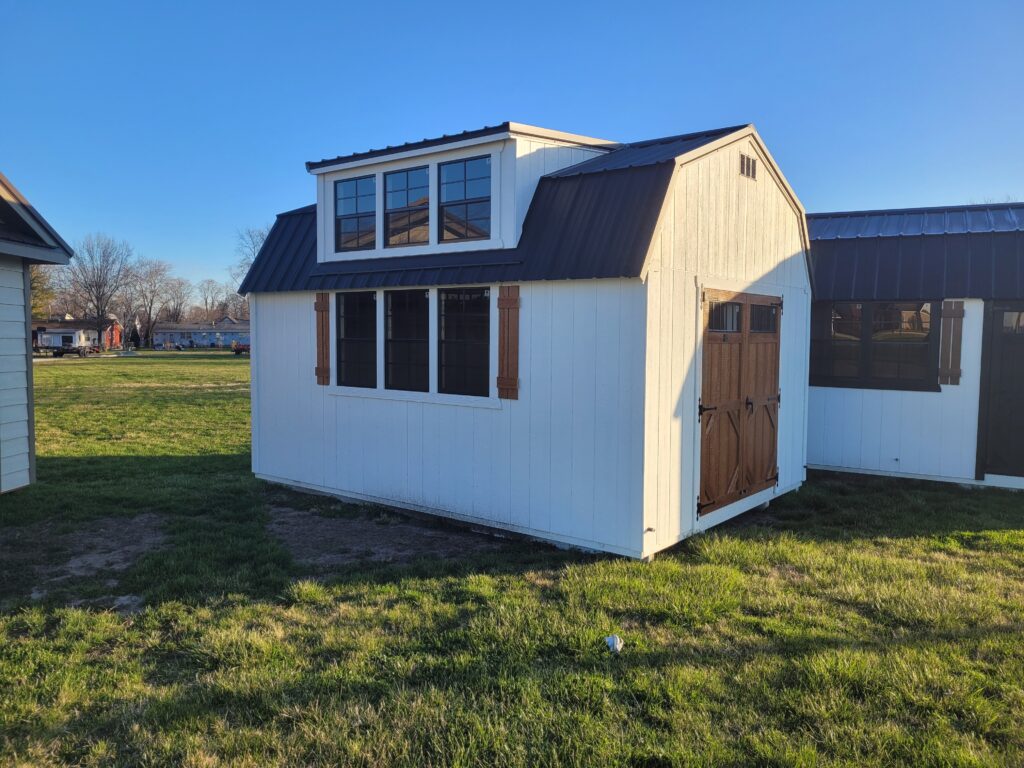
174, 125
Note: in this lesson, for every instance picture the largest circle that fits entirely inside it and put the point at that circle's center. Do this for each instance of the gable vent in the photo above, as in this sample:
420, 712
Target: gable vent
748, 166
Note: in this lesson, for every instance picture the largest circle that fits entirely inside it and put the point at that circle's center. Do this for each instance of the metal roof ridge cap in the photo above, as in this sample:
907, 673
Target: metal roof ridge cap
922, 209
561, 172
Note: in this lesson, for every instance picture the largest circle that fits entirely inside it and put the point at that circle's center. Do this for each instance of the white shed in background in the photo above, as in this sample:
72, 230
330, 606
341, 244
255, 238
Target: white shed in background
593, 343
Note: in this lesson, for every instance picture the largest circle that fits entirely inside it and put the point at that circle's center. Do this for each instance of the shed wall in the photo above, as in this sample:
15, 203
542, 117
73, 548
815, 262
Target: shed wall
564, 461
15, 426
924, 434
718, 230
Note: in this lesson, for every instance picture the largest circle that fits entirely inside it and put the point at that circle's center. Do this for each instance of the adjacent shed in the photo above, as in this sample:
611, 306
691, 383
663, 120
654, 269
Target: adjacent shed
25, 239
917, 359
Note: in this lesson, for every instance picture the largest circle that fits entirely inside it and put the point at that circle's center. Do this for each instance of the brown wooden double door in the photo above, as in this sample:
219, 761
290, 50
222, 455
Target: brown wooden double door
739, 405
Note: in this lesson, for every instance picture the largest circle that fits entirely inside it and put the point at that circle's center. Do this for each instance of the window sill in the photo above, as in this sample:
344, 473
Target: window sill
879, 386
388, 251
431, 398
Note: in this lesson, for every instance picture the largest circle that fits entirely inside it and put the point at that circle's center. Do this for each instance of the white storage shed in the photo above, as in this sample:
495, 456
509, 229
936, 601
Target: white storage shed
594, 343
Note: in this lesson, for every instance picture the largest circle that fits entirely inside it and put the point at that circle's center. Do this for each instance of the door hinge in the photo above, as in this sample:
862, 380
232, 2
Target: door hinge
701, 408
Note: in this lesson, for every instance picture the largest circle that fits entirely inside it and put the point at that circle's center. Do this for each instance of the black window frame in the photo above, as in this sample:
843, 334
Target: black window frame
465, 201
823, 355
356, 372
406, 210
408, 345
358, 216
462, 340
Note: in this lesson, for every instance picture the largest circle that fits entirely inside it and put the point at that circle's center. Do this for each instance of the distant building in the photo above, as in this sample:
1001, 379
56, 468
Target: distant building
221, 333
69, 332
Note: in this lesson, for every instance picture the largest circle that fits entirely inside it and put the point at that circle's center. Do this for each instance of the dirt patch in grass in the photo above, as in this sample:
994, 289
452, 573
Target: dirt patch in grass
39, 560
374, 536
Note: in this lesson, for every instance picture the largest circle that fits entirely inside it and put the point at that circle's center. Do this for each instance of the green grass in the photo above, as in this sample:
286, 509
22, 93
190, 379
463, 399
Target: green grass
862, 622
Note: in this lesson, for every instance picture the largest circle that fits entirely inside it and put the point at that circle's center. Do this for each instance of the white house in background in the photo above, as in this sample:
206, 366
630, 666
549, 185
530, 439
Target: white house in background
25, 238
589, 342
222, 332
917, 358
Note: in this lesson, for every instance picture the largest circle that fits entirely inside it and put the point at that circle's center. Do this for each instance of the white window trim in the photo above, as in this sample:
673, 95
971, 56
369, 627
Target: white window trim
327, 208
380, 392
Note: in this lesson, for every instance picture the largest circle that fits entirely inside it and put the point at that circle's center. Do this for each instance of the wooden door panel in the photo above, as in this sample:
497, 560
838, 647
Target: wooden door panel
721, 437
739, 407
761, 465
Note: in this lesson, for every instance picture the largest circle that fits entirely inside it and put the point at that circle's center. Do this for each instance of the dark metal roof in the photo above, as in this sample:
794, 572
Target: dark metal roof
15, 227
487, 130
595, 225
969, 251
650, 152
955, 220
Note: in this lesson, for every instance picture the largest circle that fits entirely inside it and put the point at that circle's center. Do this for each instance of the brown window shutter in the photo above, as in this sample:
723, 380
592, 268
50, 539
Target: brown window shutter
950, 342
508, 342
322, 307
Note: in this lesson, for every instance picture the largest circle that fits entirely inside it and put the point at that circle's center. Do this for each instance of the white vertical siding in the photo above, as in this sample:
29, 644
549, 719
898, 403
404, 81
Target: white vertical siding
718, 230
15, 437
924, 434
564, 461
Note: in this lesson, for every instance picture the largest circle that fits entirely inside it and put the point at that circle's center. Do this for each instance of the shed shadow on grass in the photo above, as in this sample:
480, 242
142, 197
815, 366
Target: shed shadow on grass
834, 506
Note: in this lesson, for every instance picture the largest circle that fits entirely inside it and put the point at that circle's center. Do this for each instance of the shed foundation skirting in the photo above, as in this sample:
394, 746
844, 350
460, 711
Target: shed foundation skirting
553, 538
990, 481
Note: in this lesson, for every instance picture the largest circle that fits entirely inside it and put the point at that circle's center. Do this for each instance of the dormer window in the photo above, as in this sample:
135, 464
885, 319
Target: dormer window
465, 208
355, 214
407, 207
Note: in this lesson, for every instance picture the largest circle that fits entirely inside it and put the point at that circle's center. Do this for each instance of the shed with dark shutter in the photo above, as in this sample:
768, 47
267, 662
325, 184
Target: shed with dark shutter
917, 343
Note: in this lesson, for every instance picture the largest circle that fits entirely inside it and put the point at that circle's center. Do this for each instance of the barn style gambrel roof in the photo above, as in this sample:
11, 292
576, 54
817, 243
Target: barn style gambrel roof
963, 251
591, 220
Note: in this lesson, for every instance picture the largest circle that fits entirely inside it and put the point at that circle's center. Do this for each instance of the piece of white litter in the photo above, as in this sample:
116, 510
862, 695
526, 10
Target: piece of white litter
614, 643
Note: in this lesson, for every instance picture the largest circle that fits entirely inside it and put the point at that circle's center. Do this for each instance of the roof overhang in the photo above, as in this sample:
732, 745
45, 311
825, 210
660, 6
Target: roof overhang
487, 135
51, 248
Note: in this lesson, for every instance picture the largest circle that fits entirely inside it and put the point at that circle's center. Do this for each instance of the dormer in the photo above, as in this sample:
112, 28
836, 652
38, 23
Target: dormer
465, 192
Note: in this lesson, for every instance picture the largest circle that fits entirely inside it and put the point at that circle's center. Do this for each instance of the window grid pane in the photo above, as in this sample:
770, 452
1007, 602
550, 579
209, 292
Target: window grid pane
764, 318
406, 342
463, 353
355, 213
407, 207
465, 196
725, 317
877, 345
357, 339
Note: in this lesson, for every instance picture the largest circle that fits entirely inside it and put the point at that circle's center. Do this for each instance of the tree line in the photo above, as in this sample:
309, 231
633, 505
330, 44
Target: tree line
107, 278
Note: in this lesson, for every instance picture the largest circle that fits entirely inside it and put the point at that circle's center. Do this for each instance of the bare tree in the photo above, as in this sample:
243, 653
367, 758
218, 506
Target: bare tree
126, 305
178, 299
250, 240
210, 293
152, 282
233, 304
95, 275
43, 289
